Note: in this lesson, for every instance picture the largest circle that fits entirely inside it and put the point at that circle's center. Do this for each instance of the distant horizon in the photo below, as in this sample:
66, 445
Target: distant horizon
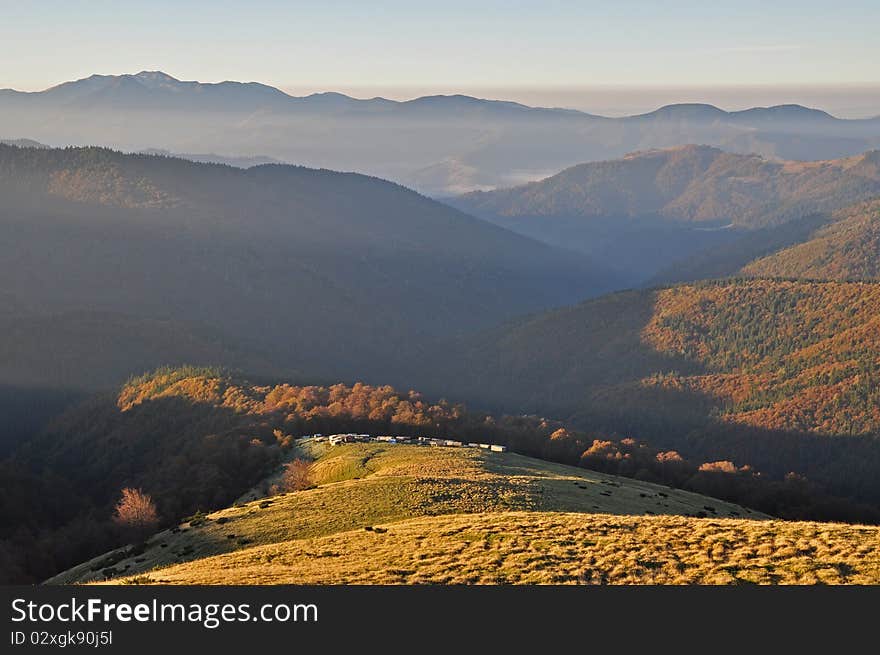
549, 53
847, 101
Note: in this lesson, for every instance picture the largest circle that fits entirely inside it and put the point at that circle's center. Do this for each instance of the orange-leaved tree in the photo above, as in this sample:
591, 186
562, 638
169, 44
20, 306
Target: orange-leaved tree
297, 475
136, 513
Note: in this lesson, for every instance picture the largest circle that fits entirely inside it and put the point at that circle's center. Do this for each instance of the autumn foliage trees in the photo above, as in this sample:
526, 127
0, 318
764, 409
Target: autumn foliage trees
845, 249
781, 355
136, 513
297, 475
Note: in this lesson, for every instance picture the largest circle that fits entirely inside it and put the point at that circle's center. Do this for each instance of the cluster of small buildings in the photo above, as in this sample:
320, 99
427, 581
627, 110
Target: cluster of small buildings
336, 439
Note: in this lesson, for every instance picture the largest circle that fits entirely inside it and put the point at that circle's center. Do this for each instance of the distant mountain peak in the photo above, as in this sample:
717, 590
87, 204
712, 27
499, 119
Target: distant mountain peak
792, 111
155, 79
693, 110
330, 94
441, 100
462, 100
23, 143
155, 76
452, 97
703, 111
331, 98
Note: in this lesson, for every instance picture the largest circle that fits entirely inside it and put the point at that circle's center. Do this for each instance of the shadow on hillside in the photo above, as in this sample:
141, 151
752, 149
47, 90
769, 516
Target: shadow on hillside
190, 452
589, 366
539, 364
188, 455
728, 258
27, 410
665, 418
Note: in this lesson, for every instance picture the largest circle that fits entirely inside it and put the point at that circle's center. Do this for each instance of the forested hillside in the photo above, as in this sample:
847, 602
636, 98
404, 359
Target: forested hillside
128, 262
654, 210
846, 249
691, 183
779, 375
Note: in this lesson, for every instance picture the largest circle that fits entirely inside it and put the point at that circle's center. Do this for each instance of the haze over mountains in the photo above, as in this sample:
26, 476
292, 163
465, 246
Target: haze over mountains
440, 145
652, 209
203, 158
340, 275
580, 315
589, 297
114, 264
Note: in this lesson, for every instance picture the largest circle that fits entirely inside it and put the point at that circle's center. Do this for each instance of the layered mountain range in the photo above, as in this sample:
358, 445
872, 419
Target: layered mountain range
698, 316
440, 145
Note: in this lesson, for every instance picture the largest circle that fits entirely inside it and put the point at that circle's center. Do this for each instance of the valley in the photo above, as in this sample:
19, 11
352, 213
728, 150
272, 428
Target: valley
151, 260
660, 209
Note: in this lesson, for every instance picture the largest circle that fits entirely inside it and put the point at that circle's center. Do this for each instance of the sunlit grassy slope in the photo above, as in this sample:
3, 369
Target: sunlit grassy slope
362, 485
396, 514
551, 547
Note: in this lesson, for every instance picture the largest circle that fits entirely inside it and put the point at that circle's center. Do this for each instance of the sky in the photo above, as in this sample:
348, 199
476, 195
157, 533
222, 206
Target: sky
605, 56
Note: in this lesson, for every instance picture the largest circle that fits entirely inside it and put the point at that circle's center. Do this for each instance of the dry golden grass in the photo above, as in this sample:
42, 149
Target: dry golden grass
554, 548
362, 485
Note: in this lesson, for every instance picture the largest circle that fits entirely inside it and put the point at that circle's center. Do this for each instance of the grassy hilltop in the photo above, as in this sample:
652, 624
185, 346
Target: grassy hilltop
364, 485
399, 514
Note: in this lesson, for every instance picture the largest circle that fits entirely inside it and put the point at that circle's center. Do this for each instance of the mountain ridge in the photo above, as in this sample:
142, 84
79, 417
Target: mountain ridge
159, 80
489, 143
654, 209
77, 90
676, 175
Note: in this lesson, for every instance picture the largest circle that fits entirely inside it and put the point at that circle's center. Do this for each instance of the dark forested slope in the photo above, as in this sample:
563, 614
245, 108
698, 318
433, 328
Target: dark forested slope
340, 274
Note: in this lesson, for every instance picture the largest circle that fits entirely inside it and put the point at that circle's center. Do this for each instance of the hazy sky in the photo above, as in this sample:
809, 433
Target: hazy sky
558, 50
